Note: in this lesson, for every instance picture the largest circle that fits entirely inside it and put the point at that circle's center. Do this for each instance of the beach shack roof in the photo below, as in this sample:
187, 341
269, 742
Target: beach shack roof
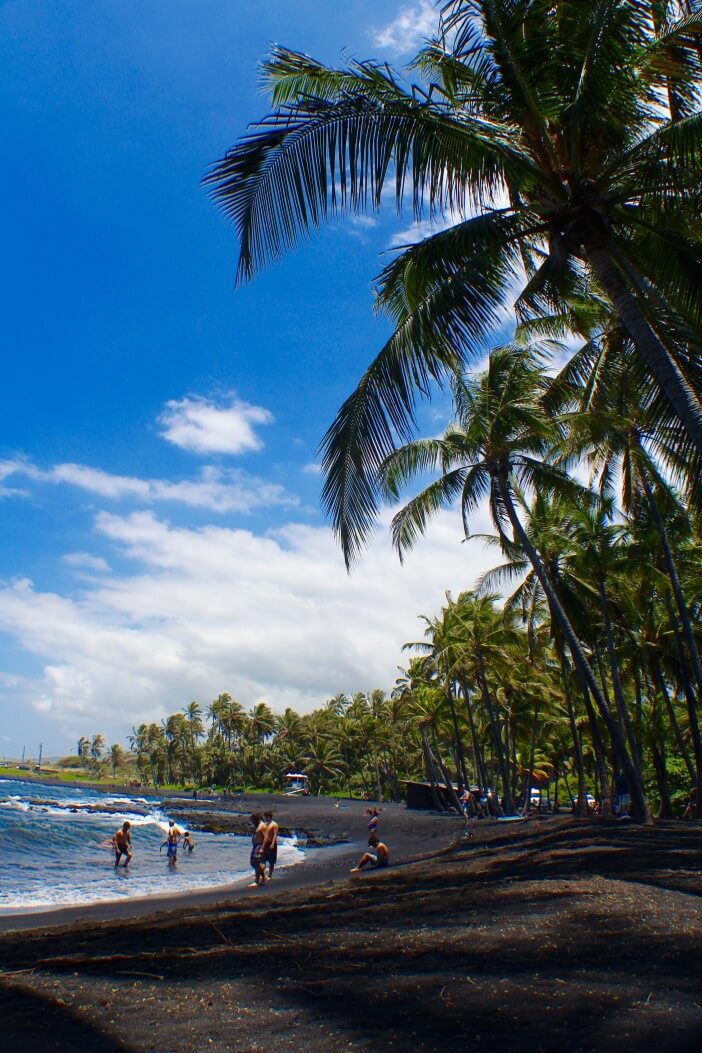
296, 775
419, 794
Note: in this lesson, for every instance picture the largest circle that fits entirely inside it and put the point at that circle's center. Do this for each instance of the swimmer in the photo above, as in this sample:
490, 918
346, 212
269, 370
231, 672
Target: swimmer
188, 842
121, 843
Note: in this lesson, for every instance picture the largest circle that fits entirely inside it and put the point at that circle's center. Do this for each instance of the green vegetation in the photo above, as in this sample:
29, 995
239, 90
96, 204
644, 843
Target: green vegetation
228, 747
54, 773
559, 145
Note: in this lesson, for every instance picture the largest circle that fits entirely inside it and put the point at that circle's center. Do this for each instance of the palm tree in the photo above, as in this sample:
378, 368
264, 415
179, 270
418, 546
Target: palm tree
445, 651
97, 745
116, 758
491, 643
139, 744
614, 424
83, 749
547, 524
323, 764
193, 715
565, 139
261, 722
494, 450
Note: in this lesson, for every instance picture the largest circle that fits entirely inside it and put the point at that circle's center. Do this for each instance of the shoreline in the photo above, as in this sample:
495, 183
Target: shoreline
160, 905
331, 840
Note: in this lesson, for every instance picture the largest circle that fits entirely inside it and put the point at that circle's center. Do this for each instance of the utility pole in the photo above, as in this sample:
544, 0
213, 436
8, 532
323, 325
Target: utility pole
23, 749
41, 747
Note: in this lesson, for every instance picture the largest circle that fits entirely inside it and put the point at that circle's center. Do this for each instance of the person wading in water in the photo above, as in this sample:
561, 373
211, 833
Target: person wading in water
256, 860
121, 843
270, 843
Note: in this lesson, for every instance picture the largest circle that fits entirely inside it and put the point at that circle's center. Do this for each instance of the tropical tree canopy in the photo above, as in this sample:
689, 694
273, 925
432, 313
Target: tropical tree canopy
559, 141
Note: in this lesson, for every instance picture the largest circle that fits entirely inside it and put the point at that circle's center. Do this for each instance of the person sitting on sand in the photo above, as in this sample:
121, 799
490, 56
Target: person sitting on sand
256, 859
188, 842
270, 843
121, 843
171, 843
378, 856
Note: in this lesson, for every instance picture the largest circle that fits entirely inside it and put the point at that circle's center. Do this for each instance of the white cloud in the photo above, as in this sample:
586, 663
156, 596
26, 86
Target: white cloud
422, 229
312, 469
217, 609
215, 489
415, 23
7, 469
10, 680
84, 561
201, 426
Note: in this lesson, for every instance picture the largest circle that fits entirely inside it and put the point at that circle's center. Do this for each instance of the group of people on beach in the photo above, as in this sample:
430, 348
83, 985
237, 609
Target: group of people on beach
122, 843
264, 847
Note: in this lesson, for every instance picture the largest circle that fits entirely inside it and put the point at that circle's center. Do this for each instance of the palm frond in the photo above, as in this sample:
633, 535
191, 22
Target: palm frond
410, 523
318, 154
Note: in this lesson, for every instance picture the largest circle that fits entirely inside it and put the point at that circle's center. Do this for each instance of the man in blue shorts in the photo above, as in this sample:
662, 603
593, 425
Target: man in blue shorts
171, 843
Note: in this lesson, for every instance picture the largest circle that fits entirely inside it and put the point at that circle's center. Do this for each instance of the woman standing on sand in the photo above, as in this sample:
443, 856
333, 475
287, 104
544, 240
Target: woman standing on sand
373, 820
256, 860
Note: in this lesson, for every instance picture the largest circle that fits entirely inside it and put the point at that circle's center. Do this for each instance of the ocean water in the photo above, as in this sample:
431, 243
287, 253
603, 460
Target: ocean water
52, 854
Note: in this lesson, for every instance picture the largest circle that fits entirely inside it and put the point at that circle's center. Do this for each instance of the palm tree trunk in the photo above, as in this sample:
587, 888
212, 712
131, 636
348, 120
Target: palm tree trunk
429, 765
567, 785
620, 701
659, 362
689, 696
513, 759
496, 738
659, 767
580, 808
450, 792
601, 773
683, 612
456, 734
639, 804
481, 771
532, 753
680, 741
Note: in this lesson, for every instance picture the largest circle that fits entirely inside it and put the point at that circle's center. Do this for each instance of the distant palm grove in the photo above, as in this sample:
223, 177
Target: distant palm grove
557, 146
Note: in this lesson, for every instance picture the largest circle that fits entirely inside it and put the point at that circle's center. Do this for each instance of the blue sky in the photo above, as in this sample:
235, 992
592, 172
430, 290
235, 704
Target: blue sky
160, 512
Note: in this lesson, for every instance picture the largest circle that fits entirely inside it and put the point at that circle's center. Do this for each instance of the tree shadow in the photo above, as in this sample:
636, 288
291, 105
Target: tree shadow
36, 1023
481, 945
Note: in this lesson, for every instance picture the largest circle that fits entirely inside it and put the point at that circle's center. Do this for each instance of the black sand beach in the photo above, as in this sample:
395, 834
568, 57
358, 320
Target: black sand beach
547, 935
334, 840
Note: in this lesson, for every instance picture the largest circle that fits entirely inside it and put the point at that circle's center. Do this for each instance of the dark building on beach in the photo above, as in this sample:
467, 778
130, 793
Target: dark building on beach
420, 797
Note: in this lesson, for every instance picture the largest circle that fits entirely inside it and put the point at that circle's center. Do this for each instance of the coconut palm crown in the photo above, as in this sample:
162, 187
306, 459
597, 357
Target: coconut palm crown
563, 141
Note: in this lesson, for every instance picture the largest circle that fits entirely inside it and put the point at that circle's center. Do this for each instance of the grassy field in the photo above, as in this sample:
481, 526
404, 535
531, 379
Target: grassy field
79, 775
